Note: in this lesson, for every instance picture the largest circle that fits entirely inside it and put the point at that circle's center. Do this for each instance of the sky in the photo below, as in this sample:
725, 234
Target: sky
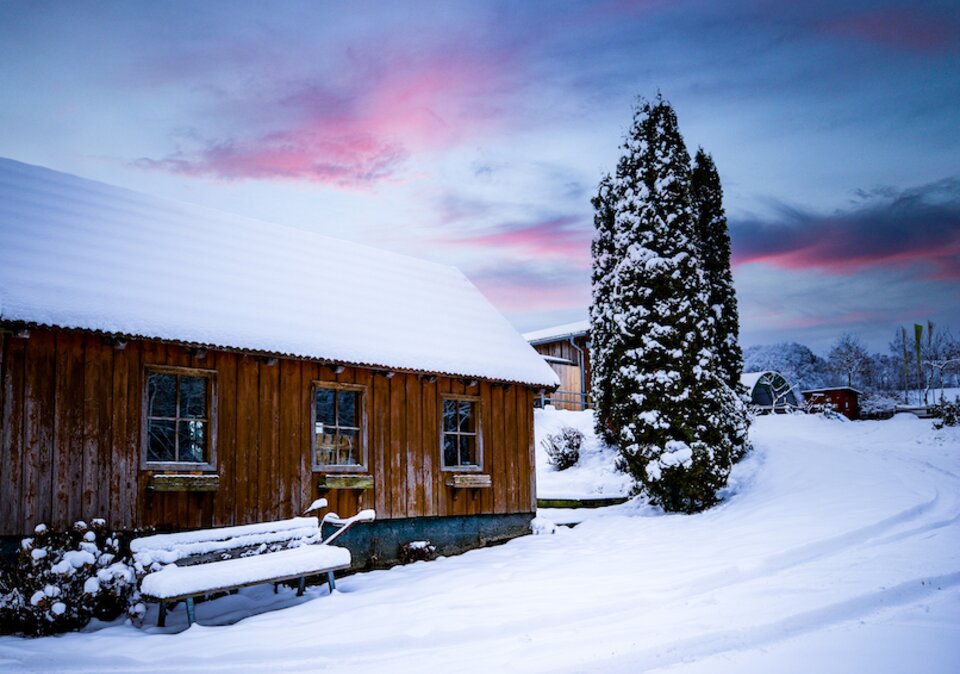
475, 134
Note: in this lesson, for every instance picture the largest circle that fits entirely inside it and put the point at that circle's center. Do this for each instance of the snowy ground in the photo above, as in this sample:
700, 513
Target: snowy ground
838, 552
593, 476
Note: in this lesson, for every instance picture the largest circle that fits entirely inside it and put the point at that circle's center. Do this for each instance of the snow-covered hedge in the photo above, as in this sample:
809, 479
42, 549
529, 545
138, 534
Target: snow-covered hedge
947, 414
563, 448
60, 580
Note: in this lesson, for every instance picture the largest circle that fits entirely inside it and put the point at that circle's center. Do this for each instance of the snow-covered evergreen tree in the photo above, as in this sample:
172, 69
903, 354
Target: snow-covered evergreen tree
713, 238
667, 400
603, 330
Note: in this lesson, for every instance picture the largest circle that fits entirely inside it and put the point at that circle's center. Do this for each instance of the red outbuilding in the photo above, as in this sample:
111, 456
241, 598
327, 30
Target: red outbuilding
843, 399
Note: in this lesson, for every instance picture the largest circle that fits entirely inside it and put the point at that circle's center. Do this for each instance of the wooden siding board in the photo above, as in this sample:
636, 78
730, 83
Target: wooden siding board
122, 463
269, 439
134, 488
72, 409
431, 446
531, 450
414, 447
398, 463
39, 401
380, 422
11, 437
511, 447
525, 455
288, 428
445, 502
248, 434
105, 430
93, 401
498, 450
223, 511
308, 489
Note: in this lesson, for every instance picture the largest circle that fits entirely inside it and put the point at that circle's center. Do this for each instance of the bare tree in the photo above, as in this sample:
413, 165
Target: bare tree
940, 355
848, 357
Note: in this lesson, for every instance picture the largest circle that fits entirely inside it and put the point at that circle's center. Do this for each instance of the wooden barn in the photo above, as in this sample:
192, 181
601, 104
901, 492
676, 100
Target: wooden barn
843, 399
165, 365
566, 348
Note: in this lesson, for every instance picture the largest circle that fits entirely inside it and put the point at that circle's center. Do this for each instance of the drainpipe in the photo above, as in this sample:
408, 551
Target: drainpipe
583, 374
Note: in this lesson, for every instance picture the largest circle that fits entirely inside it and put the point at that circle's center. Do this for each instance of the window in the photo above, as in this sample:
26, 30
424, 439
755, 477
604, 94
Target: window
460, 439
339, 439
179, 417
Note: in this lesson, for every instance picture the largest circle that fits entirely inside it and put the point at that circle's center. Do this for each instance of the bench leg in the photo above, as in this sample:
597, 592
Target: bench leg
162, 618
191, 614
301, 585
330, 582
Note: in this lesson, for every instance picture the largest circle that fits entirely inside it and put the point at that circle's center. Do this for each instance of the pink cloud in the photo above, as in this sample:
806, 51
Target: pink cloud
357, 132
837, 258
520, 290
898, 28
557, 238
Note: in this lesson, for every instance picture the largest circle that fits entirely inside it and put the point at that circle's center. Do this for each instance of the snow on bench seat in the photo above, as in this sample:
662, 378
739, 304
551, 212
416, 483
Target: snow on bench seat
171, 548
178, 582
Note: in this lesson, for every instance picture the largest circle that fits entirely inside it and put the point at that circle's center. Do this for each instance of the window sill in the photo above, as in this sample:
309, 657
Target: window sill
184, 482
345, 482
469, 481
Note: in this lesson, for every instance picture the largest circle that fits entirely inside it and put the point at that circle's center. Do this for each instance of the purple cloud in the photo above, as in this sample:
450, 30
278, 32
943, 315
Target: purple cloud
902, 28
917, 230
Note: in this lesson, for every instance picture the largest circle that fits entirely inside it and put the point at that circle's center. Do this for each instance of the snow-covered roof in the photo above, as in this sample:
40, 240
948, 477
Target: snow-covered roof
750, 379
558, 332
81, 254
826, 389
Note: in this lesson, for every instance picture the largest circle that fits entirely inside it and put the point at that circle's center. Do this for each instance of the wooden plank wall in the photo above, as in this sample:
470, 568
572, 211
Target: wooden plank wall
71, 433
563, 349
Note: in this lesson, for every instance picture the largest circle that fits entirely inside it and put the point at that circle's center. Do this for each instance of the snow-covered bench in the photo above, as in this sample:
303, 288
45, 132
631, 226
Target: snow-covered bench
195, 563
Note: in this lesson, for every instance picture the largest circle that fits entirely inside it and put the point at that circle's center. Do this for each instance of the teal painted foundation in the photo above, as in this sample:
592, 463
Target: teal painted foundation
377, 545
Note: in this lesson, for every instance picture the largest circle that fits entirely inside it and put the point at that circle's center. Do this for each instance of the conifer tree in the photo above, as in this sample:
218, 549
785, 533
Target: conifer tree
602, 326
713, 238
665, 399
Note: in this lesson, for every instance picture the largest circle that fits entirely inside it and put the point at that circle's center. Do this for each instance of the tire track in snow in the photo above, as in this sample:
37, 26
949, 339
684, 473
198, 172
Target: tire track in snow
710, 644
805, 553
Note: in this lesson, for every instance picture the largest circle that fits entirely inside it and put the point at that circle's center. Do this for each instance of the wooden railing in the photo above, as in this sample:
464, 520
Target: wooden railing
565, 400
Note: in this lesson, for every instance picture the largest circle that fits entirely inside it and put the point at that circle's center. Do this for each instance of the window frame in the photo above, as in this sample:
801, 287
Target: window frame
364, 466
210, 465
478, 432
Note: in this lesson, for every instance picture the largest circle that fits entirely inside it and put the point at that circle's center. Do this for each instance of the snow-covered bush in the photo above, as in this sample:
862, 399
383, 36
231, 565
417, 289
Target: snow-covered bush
417, 551
947, 414
878, 405
563, 448
60, 580
541, 526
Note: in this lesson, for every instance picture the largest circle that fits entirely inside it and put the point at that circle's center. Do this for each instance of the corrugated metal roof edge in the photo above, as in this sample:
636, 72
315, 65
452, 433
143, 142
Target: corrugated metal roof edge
13, 326
556, 338
824, 389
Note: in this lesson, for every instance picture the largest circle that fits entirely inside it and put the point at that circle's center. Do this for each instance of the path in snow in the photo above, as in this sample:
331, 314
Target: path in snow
839, 552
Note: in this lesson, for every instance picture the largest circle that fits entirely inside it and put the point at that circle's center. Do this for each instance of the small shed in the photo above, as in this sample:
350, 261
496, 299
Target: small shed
166, 365
843, 399
769, 392
566, 348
